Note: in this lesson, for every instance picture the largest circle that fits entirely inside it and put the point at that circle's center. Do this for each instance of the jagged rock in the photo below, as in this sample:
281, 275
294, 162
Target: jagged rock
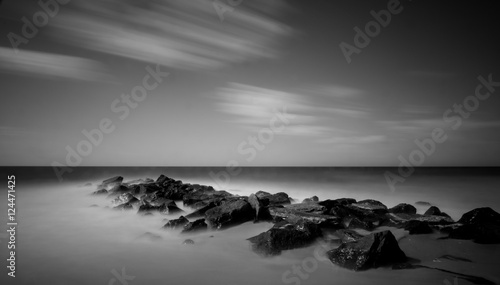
111, 182
163, 208
312, 199
372, 206
205, 197
260, 207
418, 227
100, 192
201, 211
282, 213
482, 225
337, 204
285, 235
118, 190
196, 226
176, 223
229, 213
368, 223
372, 251
403, 208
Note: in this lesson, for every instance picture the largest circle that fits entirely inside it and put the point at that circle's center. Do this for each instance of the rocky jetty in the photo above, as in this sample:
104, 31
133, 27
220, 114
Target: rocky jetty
295, 225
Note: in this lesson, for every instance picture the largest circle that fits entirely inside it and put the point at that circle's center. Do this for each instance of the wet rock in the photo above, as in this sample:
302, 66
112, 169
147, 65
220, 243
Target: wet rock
201, 211
284, 236
368, 206
118, 190
164, 208
176, 223
100, 192
196, 226
204, 197
293, 216
403, 208
482, 225
111, 182
368, 223
188, 241
229, 213
372, 251
418, 227
260, 207
312, 199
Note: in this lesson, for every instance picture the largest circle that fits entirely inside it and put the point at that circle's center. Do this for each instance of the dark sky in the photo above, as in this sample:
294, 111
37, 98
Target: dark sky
231, 75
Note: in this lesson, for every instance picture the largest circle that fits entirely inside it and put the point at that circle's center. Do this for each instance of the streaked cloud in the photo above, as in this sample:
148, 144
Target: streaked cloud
42, 64
182, 34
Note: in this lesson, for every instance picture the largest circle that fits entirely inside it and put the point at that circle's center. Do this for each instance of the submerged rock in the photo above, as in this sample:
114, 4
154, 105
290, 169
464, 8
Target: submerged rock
176, 223
100, 192
196, 226
372, 251
285, 235
188, 241
229, 213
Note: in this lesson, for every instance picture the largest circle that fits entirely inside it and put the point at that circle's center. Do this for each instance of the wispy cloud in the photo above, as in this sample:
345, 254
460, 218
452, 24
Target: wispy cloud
182, 34
42, 64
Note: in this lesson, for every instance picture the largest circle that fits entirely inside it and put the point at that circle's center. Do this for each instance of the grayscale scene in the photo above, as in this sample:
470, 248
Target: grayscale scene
247, 142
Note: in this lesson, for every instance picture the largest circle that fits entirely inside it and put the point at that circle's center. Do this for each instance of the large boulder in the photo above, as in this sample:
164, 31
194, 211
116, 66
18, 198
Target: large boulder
201, 211
310, 207
176, 223
368, 206
111, 182
285, 235
204, 197
229, 213
372, 251
196, 226
482, 225
434, 211
403, 208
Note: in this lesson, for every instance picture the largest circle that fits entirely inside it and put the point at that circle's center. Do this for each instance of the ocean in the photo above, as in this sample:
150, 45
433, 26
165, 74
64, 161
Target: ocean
66, 236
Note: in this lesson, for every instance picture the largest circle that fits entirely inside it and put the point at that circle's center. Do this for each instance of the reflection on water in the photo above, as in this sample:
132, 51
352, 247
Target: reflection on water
62, 240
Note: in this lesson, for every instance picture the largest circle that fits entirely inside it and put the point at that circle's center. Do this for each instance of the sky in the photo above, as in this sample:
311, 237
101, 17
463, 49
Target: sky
249, 82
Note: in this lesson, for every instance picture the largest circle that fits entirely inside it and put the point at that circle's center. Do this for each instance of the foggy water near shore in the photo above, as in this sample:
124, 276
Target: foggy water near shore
61, 239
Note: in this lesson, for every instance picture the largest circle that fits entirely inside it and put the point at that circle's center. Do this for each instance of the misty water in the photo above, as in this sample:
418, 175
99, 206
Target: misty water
61, 239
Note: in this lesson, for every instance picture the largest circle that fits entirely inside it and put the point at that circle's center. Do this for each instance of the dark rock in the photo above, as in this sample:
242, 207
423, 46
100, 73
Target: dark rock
325, 221
279, 198
403, 208
311, 207
176, 223
118, 190
124, 207
422, 203
116, 179
482, 225
372, 251
100, 192
229, 213
261, 212
434, 211
418, 227
401, 219
205, 197
330, 204
196, 226
164, 208
201, 212
285, 235
163, 178
188, 241
352, 222
312, 199
369, 205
